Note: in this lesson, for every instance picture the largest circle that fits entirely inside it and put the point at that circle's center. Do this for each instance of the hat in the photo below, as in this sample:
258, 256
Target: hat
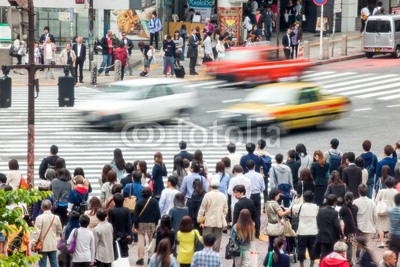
215, 183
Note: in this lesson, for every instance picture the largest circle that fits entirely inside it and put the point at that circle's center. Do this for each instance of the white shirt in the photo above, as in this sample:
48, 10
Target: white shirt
366, 216
376, 9
79, 46
307, 219
167, 200
234, 157
365, 11
239, 179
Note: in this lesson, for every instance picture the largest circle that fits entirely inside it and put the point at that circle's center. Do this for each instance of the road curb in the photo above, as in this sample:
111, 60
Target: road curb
339, 59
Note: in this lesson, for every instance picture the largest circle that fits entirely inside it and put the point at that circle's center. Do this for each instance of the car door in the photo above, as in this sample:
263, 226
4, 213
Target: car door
308, 110
153, 107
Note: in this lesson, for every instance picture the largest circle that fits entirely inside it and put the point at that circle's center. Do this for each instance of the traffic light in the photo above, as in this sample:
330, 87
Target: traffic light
5, 92
66, 89
79, 1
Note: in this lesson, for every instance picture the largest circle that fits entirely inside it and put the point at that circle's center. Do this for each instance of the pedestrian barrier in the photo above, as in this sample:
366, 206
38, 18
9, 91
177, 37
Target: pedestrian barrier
300, 52
117, 70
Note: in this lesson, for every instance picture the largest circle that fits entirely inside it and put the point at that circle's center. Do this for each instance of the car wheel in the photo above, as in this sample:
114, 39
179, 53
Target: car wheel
396, 54
277, 129
369, 54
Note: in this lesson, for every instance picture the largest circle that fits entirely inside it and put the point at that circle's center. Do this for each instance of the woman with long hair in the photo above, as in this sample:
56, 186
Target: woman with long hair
385, 195
163, 257
179, 171
183, 34
277, 258
106, 189
306, 182
274, 212
222, 177
178, 211
60, 164
194, 202
348, 214
343, 164
61, 188
159, 171
94, 206
185, 238
198, 158
336, 186
165, 231
360, 162
385, 174
141, 166
118, 163
319, 170
104, 172
79, 171
243, 232
305, 159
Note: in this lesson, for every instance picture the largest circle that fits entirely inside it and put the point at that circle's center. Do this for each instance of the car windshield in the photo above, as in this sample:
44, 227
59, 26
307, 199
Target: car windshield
380, 26
274, 96
133, 92
244, 55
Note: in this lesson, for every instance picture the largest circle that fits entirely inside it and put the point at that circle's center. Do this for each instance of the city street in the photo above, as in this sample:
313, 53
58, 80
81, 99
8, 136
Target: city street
371, 84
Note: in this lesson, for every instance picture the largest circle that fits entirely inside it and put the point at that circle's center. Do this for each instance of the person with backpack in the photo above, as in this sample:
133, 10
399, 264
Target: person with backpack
333, 156
281, 178
48, 162
378, 10
370, 164
61, 188
390, 159
155, 27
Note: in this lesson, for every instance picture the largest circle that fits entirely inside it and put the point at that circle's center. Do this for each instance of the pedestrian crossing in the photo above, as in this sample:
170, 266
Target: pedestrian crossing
91, 148
360, 85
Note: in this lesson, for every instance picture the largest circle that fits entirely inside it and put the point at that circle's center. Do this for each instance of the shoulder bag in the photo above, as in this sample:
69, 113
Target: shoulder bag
71, 247
39, 243
130, 202
144, 208
198, 246
357, 231
232, 249
275, 229
382, 208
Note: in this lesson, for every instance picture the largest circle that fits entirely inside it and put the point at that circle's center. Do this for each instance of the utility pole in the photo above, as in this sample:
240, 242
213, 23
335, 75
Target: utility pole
27, 5
90, 39
278, 26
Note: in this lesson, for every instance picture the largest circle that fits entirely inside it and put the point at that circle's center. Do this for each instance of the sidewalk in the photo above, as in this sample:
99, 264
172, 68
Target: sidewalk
353, 51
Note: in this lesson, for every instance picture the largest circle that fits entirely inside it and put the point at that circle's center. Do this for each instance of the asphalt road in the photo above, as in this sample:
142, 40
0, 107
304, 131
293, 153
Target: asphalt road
370, 117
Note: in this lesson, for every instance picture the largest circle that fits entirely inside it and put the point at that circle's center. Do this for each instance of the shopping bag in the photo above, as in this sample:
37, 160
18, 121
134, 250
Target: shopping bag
120, 262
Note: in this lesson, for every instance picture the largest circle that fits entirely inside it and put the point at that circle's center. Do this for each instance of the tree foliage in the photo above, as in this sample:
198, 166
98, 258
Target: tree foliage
13, 217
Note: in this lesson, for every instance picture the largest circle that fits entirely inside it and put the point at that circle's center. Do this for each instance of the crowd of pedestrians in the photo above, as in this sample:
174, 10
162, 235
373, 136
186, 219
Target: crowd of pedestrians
330, 204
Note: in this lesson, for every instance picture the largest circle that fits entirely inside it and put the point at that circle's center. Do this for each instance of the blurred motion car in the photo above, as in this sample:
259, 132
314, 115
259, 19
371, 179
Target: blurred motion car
256, 64
139, 101
287, 105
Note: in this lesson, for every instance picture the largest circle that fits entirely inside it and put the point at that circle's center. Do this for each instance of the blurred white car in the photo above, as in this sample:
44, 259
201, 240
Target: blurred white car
139, 101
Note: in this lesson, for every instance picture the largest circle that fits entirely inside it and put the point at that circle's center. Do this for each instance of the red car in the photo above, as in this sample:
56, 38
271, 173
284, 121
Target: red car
256, 64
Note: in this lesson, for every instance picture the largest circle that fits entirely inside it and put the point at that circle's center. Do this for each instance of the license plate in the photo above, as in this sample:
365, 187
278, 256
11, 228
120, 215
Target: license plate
377, 50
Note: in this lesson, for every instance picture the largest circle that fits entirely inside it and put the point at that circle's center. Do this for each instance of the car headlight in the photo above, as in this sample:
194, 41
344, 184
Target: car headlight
259, 118
227, 115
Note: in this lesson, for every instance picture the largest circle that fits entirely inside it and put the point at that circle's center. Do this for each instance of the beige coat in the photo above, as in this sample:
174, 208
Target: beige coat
42, 223
214, 208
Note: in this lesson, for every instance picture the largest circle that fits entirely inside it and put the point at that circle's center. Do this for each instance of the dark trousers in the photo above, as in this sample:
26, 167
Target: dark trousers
271, 243
362, 25
294, 52
102, 264
229, 215
306, 242
154, 38
325, 249
19, 59
265, 192
257, 204
62, 212
287, 53
81, 264
192, 64
122, 72
73, 74
79, 65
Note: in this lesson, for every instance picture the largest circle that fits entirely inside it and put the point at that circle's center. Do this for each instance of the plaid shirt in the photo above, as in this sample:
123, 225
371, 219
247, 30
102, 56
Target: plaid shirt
206, 258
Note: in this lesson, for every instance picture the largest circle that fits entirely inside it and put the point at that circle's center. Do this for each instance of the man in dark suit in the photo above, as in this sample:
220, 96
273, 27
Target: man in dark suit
328, 227
192, 52
42, 40
287, 42
243, 203
352, 175
183, 153
80, 52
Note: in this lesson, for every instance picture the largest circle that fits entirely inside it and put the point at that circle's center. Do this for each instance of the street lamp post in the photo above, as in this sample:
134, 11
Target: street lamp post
31, 67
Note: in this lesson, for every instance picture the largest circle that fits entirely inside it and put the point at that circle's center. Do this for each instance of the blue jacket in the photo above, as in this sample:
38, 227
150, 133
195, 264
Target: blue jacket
133, 189
257, 161
390, 161
370, 163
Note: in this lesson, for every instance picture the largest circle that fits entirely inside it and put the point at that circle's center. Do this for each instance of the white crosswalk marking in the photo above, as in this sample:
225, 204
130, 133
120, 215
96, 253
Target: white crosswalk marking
90, 148
363, 85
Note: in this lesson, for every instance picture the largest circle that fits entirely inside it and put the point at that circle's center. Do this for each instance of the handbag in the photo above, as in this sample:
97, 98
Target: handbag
71, 247
15, 245
130, 202
382, 208
288, 230
39, 243
120, 262
275, 229
232, 249
23, 184
198, 246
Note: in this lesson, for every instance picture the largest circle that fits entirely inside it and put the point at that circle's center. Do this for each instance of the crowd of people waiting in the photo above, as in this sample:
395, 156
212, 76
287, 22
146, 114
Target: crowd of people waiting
331, 204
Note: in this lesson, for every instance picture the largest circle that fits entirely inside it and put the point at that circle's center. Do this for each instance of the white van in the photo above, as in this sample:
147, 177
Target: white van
382, 35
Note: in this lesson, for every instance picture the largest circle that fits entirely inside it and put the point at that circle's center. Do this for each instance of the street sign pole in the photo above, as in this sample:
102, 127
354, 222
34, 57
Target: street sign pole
321, 31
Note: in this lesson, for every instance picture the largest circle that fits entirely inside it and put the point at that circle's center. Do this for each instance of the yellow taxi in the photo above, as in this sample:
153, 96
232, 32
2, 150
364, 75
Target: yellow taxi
287, 105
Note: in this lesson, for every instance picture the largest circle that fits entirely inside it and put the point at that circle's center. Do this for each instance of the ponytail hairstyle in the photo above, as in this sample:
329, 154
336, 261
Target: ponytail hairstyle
278, 243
